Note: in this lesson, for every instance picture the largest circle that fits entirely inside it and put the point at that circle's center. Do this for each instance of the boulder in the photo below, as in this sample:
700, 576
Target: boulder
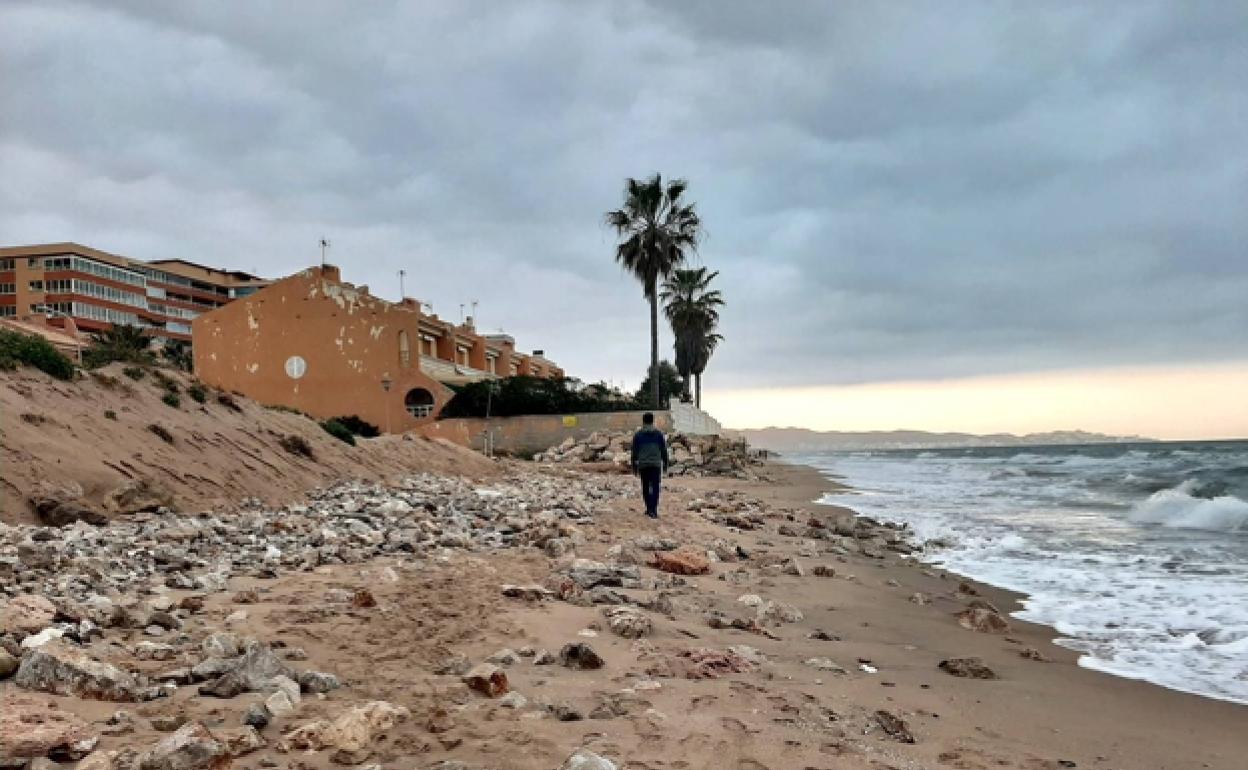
54, 512
487, 679
34, 727
192, 747
968, 668
680, 562
628, 622
8, 663
26, 614
252, 672
61, 669
351, 734
140, 495
587, 574
580, 655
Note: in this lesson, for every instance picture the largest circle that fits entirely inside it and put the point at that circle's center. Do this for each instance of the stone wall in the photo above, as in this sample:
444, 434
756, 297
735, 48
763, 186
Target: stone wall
692, 421
530, 434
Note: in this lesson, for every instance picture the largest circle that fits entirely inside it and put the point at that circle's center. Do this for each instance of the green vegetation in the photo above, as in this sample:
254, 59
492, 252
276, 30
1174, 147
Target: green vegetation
657, 231
669, 384
197, 392
128, 344
535, 395
134, 372
284, 408
297, 445
109, 414
359, 427
172, 399
178, 354
692, 308
18, 349
339, 431
226, 400
161, 432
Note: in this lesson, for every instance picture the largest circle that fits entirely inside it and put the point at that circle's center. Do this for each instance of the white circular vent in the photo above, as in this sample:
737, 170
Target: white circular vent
296, 367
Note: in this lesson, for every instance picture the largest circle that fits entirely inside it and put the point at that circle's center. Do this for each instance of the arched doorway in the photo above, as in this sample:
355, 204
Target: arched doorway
418, 402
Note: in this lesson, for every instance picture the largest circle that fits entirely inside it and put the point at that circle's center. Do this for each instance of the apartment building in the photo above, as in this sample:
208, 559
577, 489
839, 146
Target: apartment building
97, 289
325, 347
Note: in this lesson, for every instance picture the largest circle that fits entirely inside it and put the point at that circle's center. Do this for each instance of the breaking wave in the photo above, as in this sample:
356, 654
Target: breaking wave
1179, 508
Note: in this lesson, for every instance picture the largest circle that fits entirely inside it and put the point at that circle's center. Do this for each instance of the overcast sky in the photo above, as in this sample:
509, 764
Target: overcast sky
890, 190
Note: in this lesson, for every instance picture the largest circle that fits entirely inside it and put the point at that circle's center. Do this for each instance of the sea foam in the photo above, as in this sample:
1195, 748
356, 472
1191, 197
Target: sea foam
1178, 508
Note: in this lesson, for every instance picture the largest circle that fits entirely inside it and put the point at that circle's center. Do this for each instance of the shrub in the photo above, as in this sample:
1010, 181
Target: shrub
128, 344
109, 414
197, 392
27, 349
284, 408
161, 432
178, 354
172, 399
534, 395
226, 400
296, 445
134, 372
339, 431
359, 427
165, 381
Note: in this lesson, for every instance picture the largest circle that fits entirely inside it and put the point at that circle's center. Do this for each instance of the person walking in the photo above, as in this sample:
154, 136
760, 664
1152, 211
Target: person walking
650, 462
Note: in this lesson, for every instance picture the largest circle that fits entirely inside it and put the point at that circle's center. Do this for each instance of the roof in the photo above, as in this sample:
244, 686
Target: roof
237, 275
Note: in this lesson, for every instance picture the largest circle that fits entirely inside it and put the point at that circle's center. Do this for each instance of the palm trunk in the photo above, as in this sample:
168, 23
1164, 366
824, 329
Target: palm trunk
654, 344
697, 390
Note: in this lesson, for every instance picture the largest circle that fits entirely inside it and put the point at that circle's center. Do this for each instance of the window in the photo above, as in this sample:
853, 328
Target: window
491, 363
461, 355
8, 264
59, 286
178, 328
34, 262
109, 293
107, 271
36, 285
515, 368
57, 263
8, 288
405, 350
105, 314
7, 311
428, 345
418, 402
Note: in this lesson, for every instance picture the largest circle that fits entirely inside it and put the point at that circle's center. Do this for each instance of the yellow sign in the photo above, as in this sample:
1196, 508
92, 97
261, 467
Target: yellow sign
569, 421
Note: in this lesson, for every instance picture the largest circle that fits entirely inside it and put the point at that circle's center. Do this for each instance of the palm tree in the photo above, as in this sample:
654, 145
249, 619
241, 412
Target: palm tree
702, 357
657, 232
692, 308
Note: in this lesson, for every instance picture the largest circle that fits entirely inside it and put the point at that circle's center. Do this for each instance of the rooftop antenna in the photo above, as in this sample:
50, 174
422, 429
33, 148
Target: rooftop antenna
324, 246
461, 314
402, 294
474, 311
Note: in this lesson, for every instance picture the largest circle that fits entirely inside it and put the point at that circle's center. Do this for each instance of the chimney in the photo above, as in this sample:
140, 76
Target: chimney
539, 353
468, 323
331, 273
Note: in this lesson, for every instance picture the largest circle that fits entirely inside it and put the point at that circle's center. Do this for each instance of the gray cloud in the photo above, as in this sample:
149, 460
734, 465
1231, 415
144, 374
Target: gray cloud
890, 190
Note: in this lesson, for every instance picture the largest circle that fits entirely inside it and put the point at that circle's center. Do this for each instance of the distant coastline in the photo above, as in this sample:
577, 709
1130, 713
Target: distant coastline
806, 440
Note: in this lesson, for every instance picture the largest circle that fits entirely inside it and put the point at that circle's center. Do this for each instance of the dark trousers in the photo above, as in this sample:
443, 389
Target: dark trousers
651, 484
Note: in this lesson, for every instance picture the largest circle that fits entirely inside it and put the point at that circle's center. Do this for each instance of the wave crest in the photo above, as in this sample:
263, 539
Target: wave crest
1179, 508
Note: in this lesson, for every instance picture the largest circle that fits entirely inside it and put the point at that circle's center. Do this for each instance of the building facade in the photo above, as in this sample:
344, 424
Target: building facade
97, 289
325, 347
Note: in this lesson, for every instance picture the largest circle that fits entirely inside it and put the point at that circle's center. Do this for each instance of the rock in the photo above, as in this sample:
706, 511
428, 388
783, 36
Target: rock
455, 665
826, 664
285, 697
529, 593
26, 614
34, 727
240, 741
439, 720
317, 682
654, 543
167, 723
681, 562
580, 655
504, 657
544, 658
584, 759
363, 599
192, 747
920, 598
60, 669
43, 637
154, 651
252, 672
708, 663
8, 663
140, 495
487, 679
894, 726
628, 622
513, 700
824, 570
1031, 653
588, 574
982, 620
221, 645
256, 716
779, 612
793, 567
969, 668
54, 512
351, 735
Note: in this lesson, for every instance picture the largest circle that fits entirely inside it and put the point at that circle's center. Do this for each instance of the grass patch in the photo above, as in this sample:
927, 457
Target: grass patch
172, 399
297, 445
359, 427
18, 349
165, 381
285, 409
197, 392
109, 414
135, 373
161, 432
339, 431
227, 401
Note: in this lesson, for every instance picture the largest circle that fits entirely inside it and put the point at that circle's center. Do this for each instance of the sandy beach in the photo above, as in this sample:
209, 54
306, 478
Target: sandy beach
842, 674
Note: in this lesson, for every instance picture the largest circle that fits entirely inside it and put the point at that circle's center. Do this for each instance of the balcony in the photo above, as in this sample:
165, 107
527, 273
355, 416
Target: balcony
452, 373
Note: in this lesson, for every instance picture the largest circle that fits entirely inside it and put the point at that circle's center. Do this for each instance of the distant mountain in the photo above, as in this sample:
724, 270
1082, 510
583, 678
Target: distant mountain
805, 440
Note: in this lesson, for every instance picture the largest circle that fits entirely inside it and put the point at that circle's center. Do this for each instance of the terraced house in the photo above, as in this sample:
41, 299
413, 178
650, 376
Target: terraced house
328, 348
97, 289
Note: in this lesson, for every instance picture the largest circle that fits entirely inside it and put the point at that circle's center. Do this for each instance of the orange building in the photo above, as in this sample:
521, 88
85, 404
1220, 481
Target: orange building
97, 289
314, 343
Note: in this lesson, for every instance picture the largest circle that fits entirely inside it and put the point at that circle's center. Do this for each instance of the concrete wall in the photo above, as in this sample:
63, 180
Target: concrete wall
531, 434
688, 419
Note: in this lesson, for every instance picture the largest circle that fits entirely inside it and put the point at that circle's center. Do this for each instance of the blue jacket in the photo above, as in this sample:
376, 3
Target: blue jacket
649, 449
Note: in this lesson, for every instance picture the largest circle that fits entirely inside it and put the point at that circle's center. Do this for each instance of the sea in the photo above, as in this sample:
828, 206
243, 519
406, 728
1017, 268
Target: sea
1136, 554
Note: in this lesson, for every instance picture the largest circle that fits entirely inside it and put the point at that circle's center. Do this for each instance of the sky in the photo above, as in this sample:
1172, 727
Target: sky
981, 218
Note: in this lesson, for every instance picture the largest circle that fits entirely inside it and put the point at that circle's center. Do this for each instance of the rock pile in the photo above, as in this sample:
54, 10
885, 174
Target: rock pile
690, 455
